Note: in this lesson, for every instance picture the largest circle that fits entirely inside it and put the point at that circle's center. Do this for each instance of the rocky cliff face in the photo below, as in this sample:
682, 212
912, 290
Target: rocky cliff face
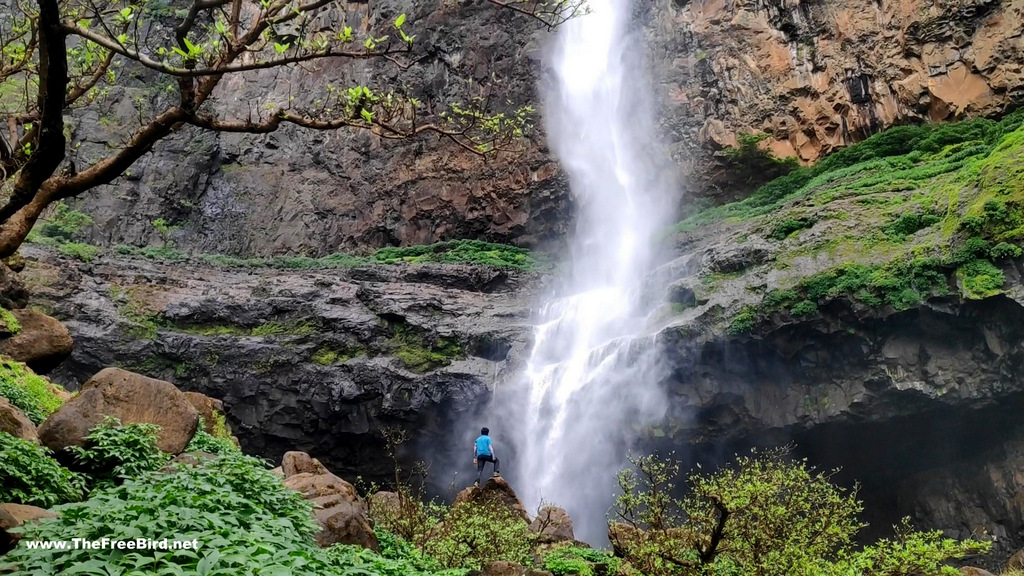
812, 76
318, 361
819, 75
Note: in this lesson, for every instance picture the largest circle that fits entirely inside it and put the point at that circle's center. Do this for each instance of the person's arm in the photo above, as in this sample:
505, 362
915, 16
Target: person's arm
474, 452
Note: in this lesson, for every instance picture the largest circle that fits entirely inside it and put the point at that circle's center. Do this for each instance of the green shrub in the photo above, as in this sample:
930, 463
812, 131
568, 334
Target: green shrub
246, 520
980, 279
473, 534
908, 224
29, 475
84, 252
461, 252
743, 322
419, 354
65, 223
1005, 251
115, 451
8, 322
567, 560
804, 308
30, 393
765, 514
790, 225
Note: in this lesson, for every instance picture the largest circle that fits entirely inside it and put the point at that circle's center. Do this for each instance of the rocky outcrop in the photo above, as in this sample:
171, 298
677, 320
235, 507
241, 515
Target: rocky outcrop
816, 76
210, 409
340, 512
293, 463
14, 422
319, 361
497, 491
552, 524
128, 397
42, 343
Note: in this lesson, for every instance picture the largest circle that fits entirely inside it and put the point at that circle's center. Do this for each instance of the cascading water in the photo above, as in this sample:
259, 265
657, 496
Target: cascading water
591, 382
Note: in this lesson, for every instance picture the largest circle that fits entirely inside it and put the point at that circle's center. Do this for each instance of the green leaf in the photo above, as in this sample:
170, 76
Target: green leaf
367, 115
400, 20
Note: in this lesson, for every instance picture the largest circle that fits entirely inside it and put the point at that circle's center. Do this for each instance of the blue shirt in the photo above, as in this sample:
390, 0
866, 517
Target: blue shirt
483, 446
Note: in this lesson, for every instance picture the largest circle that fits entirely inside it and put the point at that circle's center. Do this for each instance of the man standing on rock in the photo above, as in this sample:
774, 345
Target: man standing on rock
483, 450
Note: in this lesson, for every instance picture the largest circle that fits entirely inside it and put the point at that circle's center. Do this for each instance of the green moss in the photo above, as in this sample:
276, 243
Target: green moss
418, 353
30, 393
743, 322
790, 225
980, 279
804, 308
327, 355
9, 325
273, 328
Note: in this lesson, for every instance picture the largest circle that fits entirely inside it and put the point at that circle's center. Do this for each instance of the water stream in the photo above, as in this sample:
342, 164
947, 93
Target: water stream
591, 379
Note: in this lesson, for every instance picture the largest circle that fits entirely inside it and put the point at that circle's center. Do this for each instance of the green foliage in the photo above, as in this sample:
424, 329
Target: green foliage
84, 252
895, 159
419, 354
766, 514
1004, 251
473, 534
804, 308
8, 322
30, 393
755, 165
743, 322
462, 252
328, 356
908, 223
29, 475
397, 558
980, 279
790, 225
203, 441
246, 520
65, 223
566, 560
115, 451
273, 328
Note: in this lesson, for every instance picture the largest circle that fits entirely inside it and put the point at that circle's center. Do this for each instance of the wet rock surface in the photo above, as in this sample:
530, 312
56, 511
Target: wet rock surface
314, 361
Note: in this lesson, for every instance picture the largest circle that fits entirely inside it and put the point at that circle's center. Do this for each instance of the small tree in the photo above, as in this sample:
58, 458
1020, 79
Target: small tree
766, 515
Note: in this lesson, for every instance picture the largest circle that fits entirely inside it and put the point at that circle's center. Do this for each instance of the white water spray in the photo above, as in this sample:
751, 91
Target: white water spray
591, 378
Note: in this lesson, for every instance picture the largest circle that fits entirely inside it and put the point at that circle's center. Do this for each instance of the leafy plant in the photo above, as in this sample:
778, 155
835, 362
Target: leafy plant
30, 393
65, 223
473, 534
246, 520
766, 514
217, 443
83, 252
114, 451
29, 475
566, 560
790, 225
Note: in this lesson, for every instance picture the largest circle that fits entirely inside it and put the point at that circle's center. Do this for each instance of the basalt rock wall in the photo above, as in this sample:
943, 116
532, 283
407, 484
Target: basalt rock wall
811, 75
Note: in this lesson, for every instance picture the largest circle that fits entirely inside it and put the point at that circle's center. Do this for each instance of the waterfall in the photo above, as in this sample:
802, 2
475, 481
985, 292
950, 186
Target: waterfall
591, 384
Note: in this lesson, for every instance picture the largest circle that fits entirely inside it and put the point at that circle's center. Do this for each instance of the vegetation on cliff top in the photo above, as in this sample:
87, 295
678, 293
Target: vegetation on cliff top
908, 214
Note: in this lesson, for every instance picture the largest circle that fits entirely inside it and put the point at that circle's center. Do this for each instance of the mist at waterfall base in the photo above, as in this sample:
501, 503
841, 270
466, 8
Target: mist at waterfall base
591, 384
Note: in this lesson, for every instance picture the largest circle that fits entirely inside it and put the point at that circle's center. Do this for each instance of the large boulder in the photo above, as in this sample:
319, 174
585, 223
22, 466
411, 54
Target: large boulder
301, 463
14, 422
42, 343
129, 397
972, 571
1016, 561
494, 490
552, 524
340, 512
14, 515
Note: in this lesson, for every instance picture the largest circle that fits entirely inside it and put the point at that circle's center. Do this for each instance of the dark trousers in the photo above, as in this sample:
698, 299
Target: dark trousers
482, 459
